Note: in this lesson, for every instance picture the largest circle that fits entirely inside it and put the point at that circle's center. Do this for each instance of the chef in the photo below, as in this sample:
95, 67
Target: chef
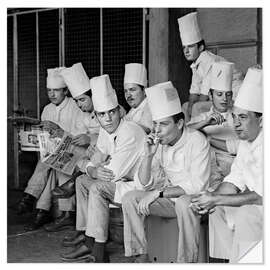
135, 80
236, 225
217, 124
110, 172
176, 161
202, 60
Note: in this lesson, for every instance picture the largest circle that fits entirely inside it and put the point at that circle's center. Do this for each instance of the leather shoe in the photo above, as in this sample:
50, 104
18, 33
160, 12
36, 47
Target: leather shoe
93, 259
66, 220
74, 242
42, 217
143, 258
26, 204
72, 236
80, 253
66, 190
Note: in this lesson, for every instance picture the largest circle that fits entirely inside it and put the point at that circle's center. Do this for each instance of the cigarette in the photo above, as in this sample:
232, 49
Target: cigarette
156, 138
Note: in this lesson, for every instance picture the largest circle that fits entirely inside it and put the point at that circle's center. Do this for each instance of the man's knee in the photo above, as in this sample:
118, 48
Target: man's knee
130, 198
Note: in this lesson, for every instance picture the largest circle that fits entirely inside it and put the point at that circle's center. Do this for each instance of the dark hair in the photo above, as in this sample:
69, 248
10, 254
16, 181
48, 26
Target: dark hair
202, 42
178, 116
88, 93
258, 115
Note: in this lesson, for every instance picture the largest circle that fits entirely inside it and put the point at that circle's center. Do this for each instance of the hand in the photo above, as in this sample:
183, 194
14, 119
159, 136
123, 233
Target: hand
57, 133
143, 205
49, 125
204, 201
216, 119
81, 140
150, 147
102, 173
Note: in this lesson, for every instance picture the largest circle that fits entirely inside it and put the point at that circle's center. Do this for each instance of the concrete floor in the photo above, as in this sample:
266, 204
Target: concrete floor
40, 246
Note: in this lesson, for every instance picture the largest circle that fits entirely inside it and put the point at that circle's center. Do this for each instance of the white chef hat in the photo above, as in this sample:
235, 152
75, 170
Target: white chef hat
76, 79
135, 73
54, 79
250, 95
163, 100
189, 29
221, 76
103, 95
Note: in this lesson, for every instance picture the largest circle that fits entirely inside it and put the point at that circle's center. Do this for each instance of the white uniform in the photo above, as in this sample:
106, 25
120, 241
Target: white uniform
182, 164
70, 118
221, 160
185, 164
141, 115
233, 230
125, 147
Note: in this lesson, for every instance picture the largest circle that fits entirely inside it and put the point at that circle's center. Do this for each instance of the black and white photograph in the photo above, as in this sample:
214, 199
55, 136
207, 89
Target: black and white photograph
135, 134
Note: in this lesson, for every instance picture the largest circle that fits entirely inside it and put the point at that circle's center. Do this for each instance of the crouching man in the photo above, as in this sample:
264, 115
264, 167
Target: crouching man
175, 165
236, 225
110, 173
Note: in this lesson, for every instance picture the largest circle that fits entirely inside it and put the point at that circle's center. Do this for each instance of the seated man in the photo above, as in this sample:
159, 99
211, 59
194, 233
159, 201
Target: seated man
135, 80
217, 124
177, 164
61, 115
202, 60
110, 173
236, 225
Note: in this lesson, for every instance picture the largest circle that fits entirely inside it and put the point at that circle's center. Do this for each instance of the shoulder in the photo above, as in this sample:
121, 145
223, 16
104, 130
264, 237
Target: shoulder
195, 137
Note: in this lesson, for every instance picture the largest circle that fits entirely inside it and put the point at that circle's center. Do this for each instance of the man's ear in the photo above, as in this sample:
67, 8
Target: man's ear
180, 123
201, 48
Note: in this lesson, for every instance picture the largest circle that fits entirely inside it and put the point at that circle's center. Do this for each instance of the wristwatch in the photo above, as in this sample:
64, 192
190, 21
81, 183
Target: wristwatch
160, 194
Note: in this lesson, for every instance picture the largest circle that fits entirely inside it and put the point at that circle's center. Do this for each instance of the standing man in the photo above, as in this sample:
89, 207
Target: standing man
135, 80
178, 164
236, 225
202, 60
110, 173
61, 115
217, 124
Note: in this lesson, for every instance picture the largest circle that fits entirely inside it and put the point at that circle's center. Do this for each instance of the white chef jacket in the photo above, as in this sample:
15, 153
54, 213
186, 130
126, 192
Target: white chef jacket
225, 131
247, 168
125, 146
67, 115
201, 74
141, 115
186, 163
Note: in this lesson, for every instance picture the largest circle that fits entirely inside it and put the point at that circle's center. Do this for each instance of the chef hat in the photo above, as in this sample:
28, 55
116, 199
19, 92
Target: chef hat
103, 95
250, 95
54, 79
135, 73
221, 76
76, 79
163, 100
189, 29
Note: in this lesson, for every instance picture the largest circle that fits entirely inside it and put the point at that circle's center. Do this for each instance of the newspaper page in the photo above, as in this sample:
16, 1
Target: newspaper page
28, 139
65, 156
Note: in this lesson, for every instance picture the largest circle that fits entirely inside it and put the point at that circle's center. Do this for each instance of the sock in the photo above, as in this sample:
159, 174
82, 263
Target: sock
98, 251
89, 242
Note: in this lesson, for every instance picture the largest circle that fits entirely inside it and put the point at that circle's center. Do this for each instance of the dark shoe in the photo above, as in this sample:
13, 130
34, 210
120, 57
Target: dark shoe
93, 259
74, 242
68, 189
64, 191
80, 253
66, 220
143, 258
42, 217
71, 237
26, 204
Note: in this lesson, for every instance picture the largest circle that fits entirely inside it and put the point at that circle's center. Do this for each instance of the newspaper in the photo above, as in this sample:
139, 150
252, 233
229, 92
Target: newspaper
63, 156
28, 139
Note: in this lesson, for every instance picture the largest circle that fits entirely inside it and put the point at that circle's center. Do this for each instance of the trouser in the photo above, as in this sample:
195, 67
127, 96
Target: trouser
45, 200
134, 232
93, 199
38, 180
234, 230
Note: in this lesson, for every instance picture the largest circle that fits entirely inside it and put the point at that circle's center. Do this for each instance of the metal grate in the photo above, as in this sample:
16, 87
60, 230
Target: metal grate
27, 81
122, 43
82, 39
48, 48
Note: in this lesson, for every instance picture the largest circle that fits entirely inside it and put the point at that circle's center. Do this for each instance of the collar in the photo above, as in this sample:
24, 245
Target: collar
225, 114
141, 106
62, 105
180, 143
112, 136
203, 59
